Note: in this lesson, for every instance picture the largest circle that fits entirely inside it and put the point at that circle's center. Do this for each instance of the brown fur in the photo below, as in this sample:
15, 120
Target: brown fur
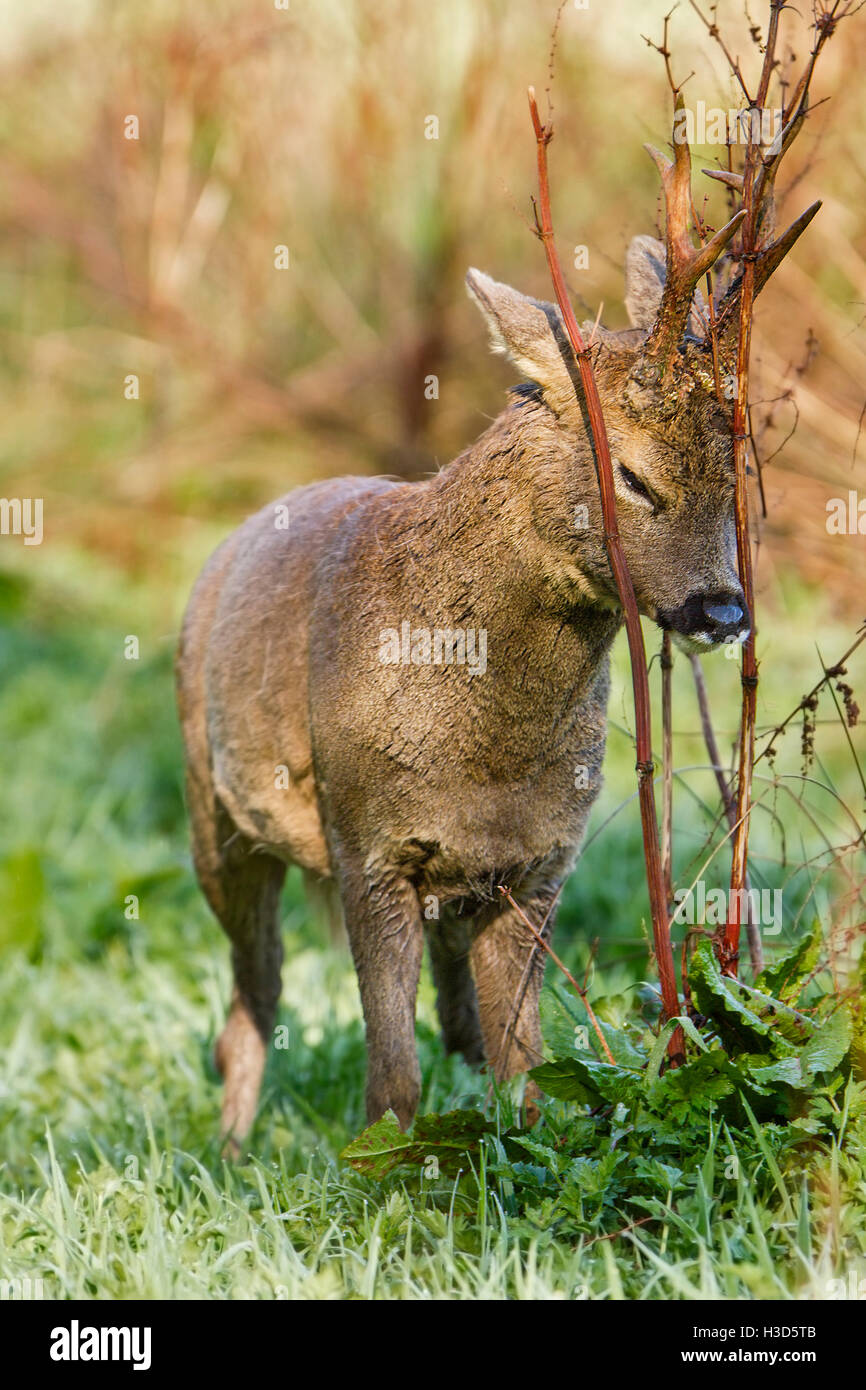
423, 784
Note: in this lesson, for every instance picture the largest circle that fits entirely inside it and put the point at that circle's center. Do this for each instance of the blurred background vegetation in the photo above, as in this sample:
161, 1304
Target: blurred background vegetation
155, 257
306, 128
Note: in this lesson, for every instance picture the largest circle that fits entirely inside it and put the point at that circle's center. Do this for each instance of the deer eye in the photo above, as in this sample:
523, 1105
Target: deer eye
633, 482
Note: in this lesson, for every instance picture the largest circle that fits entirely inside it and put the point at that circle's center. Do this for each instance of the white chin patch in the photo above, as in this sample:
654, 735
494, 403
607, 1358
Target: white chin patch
702, 641
694, 642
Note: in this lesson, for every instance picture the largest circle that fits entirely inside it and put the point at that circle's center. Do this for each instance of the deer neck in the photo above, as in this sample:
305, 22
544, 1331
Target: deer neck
489, 524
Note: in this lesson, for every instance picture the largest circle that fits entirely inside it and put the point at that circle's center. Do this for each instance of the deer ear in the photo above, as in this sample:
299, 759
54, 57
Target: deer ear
530, 332
645, 275
644, 280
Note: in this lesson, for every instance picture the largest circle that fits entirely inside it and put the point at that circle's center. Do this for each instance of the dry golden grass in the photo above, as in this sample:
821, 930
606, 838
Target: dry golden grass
261, 127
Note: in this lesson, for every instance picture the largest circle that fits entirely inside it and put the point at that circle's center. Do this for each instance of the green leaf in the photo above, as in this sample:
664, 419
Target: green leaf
830, 1044
593, 1175
665, 1176
565, 1080
562, 1015
785, 976
560, 1019
746, 1017
807, 1125
656, 1057
691, 1090
542, 1152
691, 1032
379, 1148
624, 1051
823, 1053
769, 1075
770, 1160
447, 1139
591, 1083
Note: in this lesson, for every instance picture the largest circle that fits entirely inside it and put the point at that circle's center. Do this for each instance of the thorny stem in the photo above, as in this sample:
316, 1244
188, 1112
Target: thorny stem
618, 563
727, 938
667, 663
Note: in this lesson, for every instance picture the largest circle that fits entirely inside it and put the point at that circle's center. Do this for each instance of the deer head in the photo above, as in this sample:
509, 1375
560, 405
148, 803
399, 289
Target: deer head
668, 420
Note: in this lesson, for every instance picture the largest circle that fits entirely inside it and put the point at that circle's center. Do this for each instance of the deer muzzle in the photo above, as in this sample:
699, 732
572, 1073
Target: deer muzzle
709, 620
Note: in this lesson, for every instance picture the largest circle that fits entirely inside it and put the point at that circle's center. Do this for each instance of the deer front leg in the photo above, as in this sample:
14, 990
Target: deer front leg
383, 921
508, 965
456, 1003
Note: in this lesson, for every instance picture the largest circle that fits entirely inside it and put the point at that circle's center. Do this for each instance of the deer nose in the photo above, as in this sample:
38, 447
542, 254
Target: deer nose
711, 618
721, 617
727, 614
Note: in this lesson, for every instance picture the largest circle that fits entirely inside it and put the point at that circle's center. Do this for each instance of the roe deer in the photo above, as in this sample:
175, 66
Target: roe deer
404, 690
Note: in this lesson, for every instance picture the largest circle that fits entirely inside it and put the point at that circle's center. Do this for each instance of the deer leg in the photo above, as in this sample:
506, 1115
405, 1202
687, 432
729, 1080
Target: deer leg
383, 921
253, 926
456, 1000
323, 901
243, 889
508, 965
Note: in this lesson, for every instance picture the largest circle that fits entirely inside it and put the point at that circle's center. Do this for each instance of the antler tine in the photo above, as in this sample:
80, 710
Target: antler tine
727, 177
765, 181
775, 254
686, 264
768, 254
766, 262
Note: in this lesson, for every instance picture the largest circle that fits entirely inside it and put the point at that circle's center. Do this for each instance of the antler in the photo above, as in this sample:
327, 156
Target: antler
768, 253
685, 262
766, 261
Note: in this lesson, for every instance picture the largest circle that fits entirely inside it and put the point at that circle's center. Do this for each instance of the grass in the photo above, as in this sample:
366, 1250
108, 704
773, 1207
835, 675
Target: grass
112, 1185
253, 380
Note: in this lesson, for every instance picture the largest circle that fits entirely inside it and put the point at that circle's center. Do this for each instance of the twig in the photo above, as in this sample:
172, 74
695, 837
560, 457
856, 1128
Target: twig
756, 950
829, 674
618, 563
520, 992
727, 938
506, 893
713, 30
614, 1235
667, 769
758, 258
664, 51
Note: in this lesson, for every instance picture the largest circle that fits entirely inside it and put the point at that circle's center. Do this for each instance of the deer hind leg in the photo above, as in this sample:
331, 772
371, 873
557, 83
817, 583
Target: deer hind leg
456, 1001
383, 921
243, 889
508, 965
253, 926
